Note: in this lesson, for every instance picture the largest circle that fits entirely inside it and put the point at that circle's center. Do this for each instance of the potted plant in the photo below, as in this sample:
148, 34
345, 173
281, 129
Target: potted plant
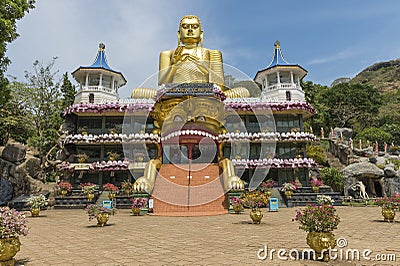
113, 156
254, 200
389, 205
324, 199
138, 204
88, 189
64, 187
236, 204
112, 190
266, 186
315, 183
35, 202
95, 211
126, 185
12, 225
319, 221
82, 157
288, 189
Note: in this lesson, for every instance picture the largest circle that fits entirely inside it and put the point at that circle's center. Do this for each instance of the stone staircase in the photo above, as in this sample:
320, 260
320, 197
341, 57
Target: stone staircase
74, 200
178, 194
305, 195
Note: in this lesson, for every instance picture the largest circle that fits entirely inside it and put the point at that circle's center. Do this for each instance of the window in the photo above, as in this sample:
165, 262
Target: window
90, 123
288, 96
94, 79
91, 98
106, 82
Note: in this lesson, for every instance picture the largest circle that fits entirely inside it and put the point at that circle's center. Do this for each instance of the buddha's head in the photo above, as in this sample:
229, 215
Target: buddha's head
190, 30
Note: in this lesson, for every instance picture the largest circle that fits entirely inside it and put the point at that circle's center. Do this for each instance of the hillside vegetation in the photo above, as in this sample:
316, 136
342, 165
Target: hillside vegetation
369, 103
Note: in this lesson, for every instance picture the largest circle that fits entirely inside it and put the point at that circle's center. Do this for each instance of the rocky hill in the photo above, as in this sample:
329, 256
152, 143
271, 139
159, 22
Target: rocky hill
384, 76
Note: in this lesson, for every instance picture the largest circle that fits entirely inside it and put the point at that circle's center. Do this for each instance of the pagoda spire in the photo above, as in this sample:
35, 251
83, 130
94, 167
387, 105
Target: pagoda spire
278, 58
101, 60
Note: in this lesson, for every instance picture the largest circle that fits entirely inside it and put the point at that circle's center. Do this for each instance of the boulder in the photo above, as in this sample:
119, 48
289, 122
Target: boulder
389, 171
346, 132
366, 172
6, 191
14, 152
365, 169
372, 159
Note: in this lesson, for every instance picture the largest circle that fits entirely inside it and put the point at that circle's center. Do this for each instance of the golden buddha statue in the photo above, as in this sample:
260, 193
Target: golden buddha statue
190, 62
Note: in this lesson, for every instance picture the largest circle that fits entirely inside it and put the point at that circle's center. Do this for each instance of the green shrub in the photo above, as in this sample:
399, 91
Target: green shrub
333, 177
317, 153
373, 135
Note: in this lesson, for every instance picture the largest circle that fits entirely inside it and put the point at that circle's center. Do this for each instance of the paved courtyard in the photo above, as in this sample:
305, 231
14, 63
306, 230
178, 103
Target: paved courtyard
66, 237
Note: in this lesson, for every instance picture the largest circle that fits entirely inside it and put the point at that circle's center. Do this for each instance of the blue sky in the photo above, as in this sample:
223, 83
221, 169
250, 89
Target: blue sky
330, 39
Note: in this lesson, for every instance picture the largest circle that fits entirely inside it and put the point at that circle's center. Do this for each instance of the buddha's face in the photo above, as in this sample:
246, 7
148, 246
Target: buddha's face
190, 31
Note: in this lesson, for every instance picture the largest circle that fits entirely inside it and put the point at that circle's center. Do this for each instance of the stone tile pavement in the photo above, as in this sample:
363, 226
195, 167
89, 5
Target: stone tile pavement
66, 237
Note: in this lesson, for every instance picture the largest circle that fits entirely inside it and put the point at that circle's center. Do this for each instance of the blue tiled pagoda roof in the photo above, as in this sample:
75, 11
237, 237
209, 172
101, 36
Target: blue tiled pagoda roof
278, 58
101, 60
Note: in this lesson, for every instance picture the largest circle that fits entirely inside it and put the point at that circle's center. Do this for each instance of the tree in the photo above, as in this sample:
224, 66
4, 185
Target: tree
15, 121
311, 94
68, 92
41, 97
10, 12
351, 105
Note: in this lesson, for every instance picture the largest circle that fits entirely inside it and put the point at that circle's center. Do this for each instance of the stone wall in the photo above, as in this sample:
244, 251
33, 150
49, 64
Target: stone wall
20, 173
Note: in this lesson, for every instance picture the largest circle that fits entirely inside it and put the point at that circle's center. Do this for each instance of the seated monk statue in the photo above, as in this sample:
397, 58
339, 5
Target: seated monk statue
190, 62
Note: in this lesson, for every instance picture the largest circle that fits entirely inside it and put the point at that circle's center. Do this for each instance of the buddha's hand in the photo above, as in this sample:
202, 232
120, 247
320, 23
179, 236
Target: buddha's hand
142, 185
235, 183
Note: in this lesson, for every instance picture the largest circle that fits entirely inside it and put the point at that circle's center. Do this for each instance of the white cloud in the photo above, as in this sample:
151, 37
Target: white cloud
331, 58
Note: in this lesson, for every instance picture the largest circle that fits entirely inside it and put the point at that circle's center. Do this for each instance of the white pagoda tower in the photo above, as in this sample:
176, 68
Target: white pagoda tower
280, 81
98, 83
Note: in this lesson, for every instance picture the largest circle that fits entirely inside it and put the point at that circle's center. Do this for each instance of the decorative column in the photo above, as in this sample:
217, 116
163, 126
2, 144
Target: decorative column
291, 77
278, 78
87, 80
101, 80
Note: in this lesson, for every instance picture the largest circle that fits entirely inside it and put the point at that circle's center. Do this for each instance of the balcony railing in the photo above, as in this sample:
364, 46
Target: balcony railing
283, 86
97, 88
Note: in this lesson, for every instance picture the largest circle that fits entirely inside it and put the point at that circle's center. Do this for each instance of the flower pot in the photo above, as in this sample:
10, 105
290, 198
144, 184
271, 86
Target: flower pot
102, 218
388, 214
288, 194
315, 189
136, 211
127, 191
111, 195
90, 197
8, 249
111, 158
256, 215
237, 208
35, 212
319, 241
63, 192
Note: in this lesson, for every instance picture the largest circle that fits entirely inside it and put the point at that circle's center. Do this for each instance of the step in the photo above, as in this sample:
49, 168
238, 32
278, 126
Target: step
177, 192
